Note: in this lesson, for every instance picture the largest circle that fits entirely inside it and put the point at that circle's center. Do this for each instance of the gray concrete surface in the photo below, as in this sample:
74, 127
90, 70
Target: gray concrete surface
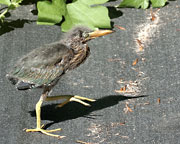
154, 82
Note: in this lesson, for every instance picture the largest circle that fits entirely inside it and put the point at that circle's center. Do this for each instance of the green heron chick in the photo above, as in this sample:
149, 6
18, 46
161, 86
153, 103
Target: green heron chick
43, 67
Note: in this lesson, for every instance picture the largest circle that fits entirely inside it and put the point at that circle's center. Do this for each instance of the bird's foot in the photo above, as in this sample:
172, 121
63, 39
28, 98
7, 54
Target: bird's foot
46, 132
78, 99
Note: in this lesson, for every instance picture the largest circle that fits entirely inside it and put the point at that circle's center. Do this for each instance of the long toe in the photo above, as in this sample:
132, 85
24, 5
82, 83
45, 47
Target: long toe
78, 99
84, 98
46, 132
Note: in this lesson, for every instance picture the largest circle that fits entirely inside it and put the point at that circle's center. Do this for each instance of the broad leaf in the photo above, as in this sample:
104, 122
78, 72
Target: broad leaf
135, 3
142, 3
50, 13
82, 13
6, 2
158, 3
79, 12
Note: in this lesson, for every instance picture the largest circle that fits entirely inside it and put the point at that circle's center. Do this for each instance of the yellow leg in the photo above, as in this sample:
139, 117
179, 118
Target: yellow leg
39, 128
70, 98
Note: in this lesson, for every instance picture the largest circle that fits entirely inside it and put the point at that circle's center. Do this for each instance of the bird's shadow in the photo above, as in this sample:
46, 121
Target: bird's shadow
74, 110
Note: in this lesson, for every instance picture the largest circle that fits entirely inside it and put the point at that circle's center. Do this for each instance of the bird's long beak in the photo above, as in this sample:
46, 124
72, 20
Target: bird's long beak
98, 33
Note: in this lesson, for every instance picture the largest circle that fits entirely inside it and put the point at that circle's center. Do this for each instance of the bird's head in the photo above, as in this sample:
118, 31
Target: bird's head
78, 36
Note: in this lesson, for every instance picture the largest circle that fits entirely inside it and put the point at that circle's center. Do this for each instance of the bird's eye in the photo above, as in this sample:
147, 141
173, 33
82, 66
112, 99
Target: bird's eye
85, 35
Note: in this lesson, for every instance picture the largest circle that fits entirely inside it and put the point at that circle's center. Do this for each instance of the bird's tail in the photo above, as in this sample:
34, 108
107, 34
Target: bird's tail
20, 85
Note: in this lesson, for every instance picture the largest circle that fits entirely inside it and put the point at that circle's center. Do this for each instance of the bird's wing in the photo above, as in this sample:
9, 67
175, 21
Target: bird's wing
41, 66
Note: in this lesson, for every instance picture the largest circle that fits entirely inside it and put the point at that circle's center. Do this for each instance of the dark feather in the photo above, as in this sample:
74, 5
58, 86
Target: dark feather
41, 66
24, 86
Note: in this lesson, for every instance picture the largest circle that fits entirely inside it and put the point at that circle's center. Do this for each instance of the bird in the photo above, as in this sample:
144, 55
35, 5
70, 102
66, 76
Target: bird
44, 66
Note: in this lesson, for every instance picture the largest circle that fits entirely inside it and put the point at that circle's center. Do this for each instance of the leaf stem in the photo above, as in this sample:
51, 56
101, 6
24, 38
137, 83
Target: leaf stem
2, 15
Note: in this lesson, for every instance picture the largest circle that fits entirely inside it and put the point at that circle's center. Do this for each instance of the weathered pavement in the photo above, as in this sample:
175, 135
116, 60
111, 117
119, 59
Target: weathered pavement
148, 112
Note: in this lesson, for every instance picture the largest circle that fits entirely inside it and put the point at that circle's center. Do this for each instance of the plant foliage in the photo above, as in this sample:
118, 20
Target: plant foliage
79, 12
76, 12
144, 4
11, 6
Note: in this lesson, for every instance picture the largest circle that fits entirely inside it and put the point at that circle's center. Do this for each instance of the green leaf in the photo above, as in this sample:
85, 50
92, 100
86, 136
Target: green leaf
13, 5
135, 3
6, 2
79, 12
82, 12
50, 13
142, 3
158, 3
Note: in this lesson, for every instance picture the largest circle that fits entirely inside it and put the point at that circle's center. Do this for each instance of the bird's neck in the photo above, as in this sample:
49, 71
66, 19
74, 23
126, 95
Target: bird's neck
77, 46
80, 55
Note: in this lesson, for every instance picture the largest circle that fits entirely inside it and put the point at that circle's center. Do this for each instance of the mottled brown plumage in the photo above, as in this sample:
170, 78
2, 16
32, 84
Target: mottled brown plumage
43, 67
